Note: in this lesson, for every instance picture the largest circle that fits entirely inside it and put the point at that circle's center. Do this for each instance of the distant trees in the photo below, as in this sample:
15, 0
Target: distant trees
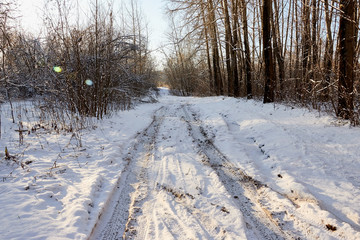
296, 50
305, 51
87, 68
184, 68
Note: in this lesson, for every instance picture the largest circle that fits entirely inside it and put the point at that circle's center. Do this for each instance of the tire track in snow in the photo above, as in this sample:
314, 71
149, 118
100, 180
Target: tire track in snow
119, 214
278, 208
172, 214
137, 191
161, 205
236, 182
296, 135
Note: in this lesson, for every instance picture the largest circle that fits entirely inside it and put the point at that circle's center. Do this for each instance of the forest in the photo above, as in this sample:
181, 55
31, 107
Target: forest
242, 124
85, 66
304, 52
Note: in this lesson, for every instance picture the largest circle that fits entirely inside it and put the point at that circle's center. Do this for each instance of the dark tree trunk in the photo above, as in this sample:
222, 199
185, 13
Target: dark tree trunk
306, 48
314, 39
346, 62
298, 82
278, 52
228, 48
215, 50
207, 49
234, 44
329, 51
247, 51
268, 56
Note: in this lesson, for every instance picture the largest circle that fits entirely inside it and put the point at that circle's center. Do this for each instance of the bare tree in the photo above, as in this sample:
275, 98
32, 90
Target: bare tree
268, 56
228, 49
247, 49
207, 44
278, 51
234, 60
306, 48
98, 67
6, 42
294, 35
346, 62
218, 81
329, 51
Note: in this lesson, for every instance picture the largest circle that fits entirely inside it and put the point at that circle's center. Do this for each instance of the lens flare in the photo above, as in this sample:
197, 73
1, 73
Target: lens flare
89, 82
57, 69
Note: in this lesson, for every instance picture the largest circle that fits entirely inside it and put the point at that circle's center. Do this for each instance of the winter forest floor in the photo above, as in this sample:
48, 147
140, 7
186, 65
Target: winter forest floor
184, 168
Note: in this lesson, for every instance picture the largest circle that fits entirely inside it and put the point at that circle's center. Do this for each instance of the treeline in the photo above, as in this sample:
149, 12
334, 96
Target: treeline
86, 65
304, 51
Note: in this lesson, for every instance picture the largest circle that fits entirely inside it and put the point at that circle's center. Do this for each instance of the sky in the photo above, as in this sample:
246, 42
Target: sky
154, 14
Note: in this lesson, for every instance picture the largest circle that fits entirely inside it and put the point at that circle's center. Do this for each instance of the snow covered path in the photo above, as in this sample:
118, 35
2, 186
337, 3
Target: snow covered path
187, 168
179, 194
185, 187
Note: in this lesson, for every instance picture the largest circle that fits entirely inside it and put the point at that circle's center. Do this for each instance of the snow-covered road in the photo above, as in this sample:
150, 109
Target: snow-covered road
184, 188
198, 168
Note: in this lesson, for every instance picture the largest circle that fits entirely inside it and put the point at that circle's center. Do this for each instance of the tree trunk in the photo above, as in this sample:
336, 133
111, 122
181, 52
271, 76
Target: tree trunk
315, 13
346, 62
314, 60
306, 48
234, 44
247, 51
212, 90
228, 47
329, 51
215, 50
278, 48
268, 56
298, 85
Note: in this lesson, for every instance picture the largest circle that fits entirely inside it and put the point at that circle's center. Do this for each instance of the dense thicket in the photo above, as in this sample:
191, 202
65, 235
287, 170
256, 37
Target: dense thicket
305, 51
87, 68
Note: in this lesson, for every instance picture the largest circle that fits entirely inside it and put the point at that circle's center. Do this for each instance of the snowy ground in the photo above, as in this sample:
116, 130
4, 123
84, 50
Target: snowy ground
183, 168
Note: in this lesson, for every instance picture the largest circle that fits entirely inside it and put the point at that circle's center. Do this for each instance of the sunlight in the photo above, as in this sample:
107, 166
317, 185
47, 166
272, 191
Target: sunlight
89, 82
57, 69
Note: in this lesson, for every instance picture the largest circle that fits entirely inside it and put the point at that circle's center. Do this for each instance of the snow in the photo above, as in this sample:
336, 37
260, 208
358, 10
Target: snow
42, 201
62, 184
